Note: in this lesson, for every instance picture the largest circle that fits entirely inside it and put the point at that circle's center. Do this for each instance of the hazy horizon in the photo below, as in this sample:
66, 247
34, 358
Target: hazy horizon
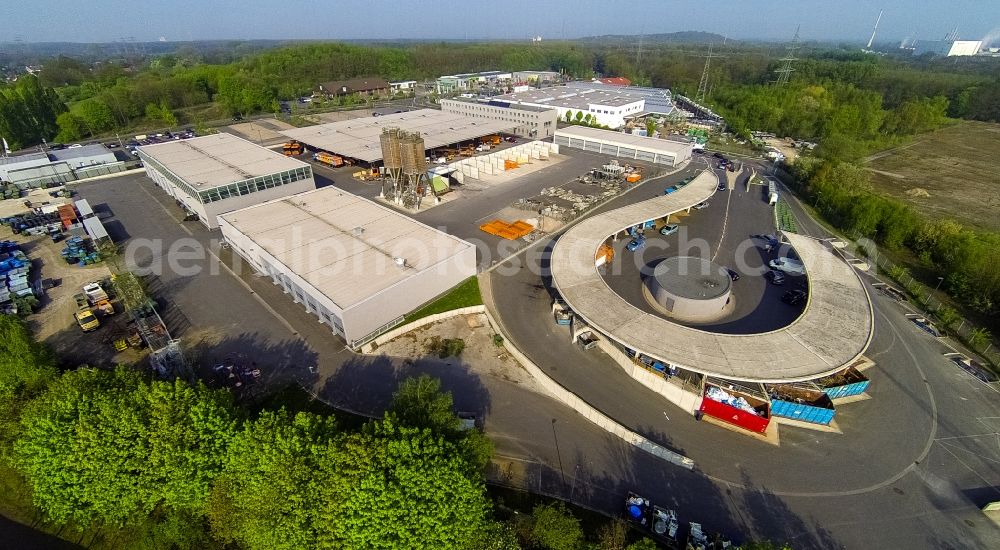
189, 20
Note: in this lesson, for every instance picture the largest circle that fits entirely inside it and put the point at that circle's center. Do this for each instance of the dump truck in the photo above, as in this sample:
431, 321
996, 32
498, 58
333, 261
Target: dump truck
84, 316
329, 159
293, 148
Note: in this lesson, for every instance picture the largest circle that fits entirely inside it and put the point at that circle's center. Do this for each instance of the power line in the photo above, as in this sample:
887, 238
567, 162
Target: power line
785, 71
703, 84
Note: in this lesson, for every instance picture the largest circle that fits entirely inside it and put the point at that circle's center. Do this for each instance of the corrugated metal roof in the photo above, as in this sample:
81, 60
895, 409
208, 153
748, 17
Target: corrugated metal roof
655, 145
33, 158
94, 150
218, 159
344, 245
359, 138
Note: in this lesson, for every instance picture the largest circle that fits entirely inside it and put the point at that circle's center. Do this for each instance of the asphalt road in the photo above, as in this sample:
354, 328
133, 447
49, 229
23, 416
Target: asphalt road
909, 471
887, 481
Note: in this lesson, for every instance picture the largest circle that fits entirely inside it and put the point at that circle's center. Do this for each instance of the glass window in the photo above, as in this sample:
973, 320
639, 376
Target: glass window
223, 192
285, 178
244, 188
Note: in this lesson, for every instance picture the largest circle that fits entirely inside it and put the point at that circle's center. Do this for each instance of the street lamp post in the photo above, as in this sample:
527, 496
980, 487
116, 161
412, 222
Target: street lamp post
940, 280
562, 475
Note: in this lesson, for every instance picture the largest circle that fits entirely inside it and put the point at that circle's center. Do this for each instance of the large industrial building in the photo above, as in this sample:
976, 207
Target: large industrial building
949, 48
656, 101
609, 107
58, 166
356, 265
219, 173
532, 122
617, 144
473, 82
359, 138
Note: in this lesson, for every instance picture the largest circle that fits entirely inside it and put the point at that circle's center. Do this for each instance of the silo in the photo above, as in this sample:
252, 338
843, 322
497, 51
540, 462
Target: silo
390, 150
414, 161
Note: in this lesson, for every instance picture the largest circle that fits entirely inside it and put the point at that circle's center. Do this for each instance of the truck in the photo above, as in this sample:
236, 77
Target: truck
98, 298
84, 316
788, 265
323, 157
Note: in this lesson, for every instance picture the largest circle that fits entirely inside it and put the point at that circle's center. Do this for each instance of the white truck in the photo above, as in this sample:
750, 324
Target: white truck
788, 265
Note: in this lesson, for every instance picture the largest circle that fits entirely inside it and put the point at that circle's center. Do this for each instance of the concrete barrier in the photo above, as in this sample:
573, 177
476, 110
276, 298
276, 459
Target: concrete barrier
423, 321
595, 416
687, 400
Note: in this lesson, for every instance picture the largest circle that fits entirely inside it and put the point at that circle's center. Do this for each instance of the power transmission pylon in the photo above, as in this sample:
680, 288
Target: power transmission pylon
703, 84
785, 71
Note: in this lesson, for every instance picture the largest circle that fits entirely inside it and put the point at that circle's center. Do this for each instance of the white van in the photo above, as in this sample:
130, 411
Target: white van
788, 265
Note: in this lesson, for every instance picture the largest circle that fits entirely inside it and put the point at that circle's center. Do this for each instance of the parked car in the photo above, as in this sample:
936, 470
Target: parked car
75, 146
794, 297
636, 244
718, 155
669, 229
237, 118
701, 206
670, 190
722, 186
776, 277
788, 265
733, 274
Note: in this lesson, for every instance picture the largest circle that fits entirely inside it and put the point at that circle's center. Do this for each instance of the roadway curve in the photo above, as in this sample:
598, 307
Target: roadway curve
833, 331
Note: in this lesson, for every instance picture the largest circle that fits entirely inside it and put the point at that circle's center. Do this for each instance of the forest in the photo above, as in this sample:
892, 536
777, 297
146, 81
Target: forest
124, 460
852, 101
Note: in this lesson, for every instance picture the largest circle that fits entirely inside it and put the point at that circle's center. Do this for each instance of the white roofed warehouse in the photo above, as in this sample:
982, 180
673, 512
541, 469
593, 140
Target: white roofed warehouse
219, 173
358, 266
617, 144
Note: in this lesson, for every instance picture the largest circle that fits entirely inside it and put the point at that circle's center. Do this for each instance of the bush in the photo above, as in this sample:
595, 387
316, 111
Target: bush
556, 528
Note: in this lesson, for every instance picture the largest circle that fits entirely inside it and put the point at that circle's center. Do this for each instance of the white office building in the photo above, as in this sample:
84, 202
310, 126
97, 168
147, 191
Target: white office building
609, 107
532, 122
358, 266
219, 173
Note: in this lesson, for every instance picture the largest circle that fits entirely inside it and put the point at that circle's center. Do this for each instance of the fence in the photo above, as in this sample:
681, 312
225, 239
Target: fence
976, 337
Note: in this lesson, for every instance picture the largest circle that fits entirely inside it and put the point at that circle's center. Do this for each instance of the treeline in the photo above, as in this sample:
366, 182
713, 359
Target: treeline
28, 112
965, 258
137, 463
847, 121
181, 465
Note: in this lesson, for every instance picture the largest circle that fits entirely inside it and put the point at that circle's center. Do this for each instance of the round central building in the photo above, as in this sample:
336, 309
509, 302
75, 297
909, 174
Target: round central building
690, 288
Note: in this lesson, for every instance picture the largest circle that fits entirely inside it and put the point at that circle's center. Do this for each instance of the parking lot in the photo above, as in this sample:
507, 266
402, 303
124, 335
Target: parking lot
721, 232
216, 317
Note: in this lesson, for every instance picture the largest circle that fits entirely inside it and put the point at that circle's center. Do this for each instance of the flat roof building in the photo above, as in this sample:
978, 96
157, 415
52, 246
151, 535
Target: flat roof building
219, 173
609, 107
607, 142
472, 81
80, 157
359, 138
357, 265
536, 77
532, 122
20, 162
657, 101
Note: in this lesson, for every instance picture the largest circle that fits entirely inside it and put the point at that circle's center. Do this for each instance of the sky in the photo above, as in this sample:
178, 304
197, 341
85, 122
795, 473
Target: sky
181, 20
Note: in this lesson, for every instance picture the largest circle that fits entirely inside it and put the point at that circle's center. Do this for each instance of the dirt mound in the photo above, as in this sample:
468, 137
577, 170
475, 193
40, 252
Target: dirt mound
917, 193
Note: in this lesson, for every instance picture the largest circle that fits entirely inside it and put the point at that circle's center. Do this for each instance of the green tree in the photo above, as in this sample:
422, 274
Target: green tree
107, 446
403, 469
420, 403
979, 337
496, 535
569, 115
279, 474
947, 316
556, 528
71, 128
579, 116
651, 126
644, 544
612, 535
26, 369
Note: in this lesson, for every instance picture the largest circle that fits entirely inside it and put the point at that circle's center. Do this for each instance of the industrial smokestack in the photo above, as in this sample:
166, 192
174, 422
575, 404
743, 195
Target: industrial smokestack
872, 39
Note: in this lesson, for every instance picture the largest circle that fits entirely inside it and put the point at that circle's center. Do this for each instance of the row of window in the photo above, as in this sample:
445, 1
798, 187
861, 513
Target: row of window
168, 174
254, 185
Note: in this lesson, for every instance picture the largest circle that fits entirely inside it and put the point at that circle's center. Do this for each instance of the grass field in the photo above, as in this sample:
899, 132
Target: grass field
464, 295
949, 173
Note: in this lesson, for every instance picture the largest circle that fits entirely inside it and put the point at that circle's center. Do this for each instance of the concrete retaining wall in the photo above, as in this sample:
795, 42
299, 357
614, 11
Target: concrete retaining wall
687, 400
587, 411
423, 321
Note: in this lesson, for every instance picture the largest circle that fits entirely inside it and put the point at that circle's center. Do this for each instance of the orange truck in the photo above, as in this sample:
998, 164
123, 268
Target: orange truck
329, 159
